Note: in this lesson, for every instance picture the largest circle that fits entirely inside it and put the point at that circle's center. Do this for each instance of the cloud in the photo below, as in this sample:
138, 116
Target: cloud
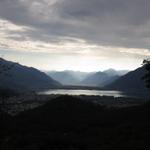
76, 26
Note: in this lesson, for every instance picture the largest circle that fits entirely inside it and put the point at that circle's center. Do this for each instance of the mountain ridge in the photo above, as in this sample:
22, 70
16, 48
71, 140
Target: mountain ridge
130, 81
16, 76
99, 79
69, 77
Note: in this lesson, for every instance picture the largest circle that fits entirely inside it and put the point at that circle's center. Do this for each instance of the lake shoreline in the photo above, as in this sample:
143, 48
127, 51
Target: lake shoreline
96, 91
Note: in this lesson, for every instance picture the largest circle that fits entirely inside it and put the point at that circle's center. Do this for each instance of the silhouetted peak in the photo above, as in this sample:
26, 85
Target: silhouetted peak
132, 80
16, 76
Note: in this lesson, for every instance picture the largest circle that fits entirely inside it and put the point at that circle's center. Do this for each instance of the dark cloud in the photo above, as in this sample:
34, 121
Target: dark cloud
123, 23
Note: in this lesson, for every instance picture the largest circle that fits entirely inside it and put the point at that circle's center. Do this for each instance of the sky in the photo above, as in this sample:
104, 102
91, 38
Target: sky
85, 35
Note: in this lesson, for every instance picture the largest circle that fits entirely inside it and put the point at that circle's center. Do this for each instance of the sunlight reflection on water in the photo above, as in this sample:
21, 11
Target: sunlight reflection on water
84, 92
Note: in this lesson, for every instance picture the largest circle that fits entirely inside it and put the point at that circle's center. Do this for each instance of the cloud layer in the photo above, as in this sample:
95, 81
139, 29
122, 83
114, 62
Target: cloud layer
95, 27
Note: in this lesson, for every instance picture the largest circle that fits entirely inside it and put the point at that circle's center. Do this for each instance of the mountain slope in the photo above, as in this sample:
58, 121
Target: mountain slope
99, 79
114, 72
16, 76
131, 80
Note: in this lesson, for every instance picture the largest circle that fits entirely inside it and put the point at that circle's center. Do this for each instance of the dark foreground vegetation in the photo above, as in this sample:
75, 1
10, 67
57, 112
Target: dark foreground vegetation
70, 123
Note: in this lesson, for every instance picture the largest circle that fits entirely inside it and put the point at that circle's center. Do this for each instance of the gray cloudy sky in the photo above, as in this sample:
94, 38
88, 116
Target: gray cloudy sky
83, 35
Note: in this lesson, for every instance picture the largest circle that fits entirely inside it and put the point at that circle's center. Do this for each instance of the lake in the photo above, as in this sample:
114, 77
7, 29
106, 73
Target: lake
84, 92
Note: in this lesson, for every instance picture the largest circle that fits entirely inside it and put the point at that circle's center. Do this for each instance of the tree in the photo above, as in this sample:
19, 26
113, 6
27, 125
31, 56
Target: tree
146, 77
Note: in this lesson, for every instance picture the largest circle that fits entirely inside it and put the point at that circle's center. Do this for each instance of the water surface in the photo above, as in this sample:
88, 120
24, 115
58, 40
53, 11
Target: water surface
84, 92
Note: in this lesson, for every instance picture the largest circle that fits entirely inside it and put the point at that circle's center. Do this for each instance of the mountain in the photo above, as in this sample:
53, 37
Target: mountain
16, 76
113, 72
67, 77
122, 72
79, 74
130, 81
99, 79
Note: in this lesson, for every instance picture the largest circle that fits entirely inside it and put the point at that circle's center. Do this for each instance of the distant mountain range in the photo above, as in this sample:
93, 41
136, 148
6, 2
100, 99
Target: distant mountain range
68, 77
16, 76
99, 79
130, 81
113, 72
86, 79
